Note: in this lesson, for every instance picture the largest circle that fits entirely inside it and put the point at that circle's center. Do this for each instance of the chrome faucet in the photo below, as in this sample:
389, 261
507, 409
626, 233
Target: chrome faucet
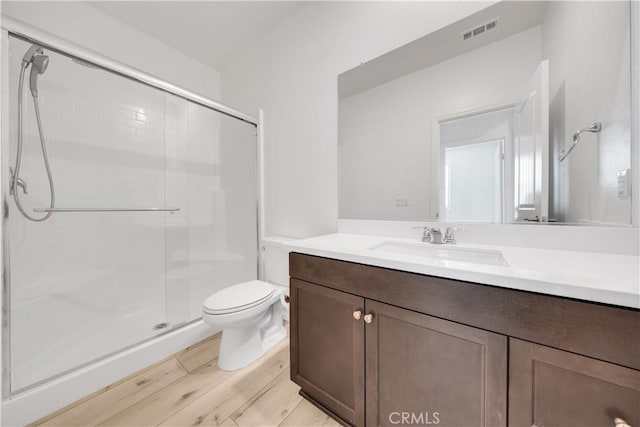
449, 236
434, 235
426, 234
431, 235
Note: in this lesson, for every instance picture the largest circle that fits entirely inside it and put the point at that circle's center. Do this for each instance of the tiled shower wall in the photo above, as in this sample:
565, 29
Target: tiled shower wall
84, 285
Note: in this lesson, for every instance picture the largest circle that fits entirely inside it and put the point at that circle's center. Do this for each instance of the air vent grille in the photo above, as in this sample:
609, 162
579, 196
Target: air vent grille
479, 30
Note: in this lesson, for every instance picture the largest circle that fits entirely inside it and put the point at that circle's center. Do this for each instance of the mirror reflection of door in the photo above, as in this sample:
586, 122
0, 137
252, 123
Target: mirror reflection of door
473, 181
494, 162
474, 177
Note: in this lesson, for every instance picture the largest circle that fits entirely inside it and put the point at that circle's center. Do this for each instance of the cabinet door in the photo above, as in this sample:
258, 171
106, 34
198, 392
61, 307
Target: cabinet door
424, 370
555, 388
327, 348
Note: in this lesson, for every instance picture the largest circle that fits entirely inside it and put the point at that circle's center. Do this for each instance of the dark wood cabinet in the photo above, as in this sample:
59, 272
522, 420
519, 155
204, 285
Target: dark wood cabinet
432, 371
327, 348
419, 369
555, 388
476, 355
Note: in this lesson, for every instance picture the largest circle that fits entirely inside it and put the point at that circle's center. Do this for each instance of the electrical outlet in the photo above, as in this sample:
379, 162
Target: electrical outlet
402, 203
624, 184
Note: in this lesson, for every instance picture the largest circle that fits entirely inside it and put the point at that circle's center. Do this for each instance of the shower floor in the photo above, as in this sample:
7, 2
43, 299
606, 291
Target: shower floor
40, 351
189, 389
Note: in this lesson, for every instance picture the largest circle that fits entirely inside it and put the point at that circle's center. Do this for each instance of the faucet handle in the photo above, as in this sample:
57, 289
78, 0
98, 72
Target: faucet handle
449, 235
427, 236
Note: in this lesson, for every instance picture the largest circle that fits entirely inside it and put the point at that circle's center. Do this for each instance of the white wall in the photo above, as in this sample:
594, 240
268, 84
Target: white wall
385, 133
84, 25
292, 74
589, 81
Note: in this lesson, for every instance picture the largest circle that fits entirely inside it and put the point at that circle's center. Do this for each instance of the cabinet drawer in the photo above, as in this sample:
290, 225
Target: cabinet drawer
555, 388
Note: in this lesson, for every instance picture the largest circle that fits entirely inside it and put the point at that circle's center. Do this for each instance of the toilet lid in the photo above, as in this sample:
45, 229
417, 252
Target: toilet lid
238, 297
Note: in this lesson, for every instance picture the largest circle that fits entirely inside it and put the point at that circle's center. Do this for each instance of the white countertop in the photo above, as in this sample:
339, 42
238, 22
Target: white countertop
591, 276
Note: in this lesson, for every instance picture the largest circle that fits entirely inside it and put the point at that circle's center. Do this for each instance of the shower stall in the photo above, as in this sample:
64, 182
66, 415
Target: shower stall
126, 203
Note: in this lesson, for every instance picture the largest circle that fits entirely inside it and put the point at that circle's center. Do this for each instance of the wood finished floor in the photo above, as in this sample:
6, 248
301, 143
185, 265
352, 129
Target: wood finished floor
188, 389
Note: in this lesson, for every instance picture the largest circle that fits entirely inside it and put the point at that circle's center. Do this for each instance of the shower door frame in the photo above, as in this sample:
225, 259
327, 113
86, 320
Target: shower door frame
14, 28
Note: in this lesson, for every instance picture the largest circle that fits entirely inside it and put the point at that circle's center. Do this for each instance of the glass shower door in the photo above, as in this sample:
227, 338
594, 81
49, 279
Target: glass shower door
85, 285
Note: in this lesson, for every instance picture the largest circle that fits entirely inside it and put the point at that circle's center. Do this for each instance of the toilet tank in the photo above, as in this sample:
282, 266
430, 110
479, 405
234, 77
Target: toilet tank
275, 260
275, 264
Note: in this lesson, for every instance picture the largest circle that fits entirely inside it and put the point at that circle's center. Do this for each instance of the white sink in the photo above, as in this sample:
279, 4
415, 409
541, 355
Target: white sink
442, 252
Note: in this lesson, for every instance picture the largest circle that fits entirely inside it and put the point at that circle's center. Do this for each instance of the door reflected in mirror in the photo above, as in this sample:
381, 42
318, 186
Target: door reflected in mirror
473, 181
472, 172
493, 119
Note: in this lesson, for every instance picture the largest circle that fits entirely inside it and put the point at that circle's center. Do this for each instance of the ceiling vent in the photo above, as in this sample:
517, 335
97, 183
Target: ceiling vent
479, 30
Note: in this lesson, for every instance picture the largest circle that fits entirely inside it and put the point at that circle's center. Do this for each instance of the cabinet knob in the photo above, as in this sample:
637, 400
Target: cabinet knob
368, 318
619, 422
357, 314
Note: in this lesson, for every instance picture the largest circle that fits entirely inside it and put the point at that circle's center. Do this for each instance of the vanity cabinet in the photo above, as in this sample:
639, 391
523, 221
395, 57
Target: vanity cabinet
370, 344
554, 388
438, 371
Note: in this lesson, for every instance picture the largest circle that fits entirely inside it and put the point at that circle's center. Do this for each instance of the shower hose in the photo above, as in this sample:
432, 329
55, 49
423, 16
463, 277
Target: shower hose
16, 172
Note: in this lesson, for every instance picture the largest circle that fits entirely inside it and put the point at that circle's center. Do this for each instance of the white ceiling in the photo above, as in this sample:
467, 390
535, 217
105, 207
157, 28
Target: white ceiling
209, 31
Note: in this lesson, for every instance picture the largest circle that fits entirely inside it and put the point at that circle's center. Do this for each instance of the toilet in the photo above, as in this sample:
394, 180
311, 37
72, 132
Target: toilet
250, 315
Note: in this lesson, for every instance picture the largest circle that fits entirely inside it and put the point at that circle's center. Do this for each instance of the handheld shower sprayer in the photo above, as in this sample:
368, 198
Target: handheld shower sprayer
38, 61
38, 66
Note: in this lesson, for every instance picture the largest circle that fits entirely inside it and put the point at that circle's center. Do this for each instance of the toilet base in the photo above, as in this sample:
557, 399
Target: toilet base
242, 345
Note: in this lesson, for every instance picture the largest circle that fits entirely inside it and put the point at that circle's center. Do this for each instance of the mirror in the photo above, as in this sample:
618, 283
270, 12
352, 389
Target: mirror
519, 113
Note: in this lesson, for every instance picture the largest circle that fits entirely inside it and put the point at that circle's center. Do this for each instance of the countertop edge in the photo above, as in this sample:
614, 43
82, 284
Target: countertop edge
587, 294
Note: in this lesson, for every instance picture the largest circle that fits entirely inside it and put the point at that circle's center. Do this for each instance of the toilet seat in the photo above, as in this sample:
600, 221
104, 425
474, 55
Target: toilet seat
240, 297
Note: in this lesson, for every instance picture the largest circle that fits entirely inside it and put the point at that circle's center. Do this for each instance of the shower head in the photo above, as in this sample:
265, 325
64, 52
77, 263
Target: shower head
594, 128
39, 64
